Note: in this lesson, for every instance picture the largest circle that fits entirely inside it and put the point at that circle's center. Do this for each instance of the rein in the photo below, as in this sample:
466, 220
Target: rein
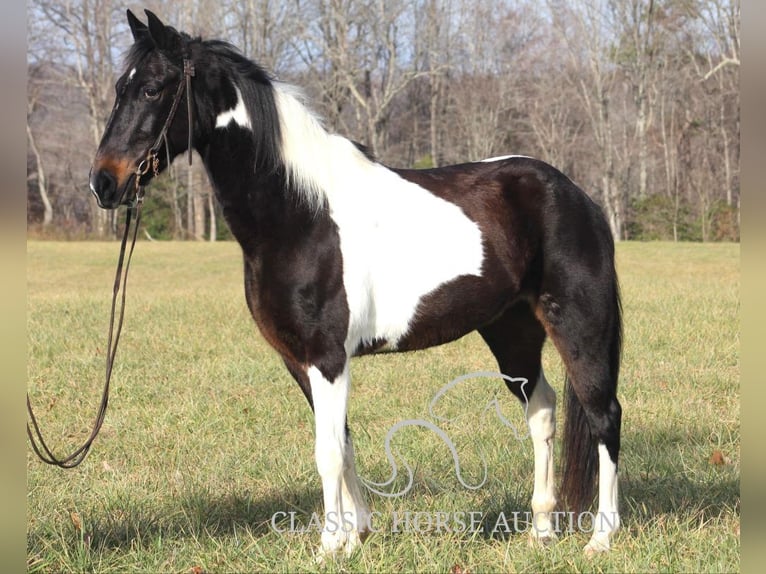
42, 450
150, 161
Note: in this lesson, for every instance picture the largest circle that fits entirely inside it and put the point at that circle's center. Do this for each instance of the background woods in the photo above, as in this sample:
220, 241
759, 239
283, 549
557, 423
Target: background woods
636, 100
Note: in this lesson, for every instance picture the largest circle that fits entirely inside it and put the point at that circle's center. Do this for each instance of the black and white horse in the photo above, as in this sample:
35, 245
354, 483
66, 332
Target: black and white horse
344, 256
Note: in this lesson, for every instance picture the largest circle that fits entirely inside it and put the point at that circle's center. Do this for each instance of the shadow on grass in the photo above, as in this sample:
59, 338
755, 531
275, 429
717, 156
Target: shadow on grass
655, 484
196, 514
669, 473
199, 513
680, 496
701, 501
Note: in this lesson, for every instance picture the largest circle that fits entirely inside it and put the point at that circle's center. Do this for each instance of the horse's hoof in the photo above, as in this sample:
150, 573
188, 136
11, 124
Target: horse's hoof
542, 541
334, 545
595, 547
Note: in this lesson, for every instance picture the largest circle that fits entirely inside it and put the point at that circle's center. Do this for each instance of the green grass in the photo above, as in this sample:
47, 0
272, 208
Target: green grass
207, 436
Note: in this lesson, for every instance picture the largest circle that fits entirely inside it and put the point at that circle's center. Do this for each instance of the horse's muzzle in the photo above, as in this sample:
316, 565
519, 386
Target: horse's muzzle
108, 191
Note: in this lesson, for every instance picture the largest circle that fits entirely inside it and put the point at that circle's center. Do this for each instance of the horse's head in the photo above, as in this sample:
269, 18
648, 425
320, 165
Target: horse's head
143, 129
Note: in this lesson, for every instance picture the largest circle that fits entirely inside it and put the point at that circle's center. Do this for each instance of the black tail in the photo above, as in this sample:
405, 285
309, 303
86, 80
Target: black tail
580, 447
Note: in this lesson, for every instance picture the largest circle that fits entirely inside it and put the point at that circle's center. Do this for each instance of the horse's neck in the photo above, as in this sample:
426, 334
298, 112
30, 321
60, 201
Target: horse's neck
258, 207
264, 202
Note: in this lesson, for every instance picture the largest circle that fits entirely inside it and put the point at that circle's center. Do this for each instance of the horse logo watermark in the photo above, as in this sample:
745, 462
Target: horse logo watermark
452, 521
492, 405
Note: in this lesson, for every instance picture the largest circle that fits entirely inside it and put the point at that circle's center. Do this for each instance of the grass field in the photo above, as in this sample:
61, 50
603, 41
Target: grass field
207, 437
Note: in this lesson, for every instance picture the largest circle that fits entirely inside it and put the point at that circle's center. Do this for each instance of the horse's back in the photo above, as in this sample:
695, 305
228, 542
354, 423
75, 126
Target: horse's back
431, 255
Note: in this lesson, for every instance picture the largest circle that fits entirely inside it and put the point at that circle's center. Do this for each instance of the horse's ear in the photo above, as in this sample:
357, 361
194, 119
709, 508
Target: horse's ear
165, 37
157, 29
137, 28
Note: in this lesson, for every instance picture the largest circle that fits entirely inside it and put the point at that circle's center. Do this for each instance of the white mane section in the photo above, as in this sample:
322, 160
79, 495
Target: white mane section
309, 152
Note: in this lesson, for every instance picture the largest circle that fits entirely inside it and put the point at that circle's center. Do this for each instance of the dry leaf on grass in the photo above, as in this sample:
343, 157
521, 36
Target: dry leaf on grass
717, 458
76, 520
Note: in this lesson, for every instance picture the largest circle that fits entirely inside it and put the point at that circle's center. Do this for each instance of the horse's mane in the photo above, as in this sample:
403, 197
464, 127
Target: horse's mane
257, 88
288, 137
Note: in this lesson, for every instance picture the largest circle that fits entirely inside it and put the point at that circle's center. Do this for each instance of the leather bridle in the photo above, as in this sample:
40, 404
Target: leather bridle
150, 161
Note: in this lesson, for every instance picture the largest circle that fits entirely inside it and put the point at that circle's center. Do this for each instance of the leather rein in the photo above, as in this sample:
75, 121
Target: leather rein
150, 162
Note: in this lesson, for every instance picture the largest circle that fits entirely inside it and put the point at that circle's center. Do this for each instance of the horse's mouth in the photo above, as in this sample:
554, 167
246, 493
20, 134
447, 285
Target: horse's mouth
125, 195
130, 190
117, 181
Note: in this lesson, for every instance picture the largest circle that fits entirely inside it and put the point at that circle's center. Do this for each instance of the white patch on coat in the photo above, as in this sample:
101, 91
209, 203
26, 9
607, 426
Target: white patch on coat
502, 157
117, 103
399, 241
238, 114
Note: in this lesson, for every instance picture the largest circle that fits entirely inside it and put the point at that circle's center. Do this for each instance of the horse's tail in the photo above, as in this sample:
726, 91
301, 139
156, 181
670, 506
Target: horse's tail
580, 445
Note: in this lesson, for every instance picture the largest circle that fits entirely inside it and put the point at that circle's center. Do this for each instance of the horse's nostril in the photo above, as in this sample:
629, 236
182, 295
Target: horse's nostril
103, 185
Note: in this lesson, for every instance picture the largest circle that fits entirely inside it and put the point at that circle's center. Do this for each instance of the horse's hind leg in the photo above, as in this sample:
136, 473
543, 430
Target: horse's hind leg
583, 321
516, 339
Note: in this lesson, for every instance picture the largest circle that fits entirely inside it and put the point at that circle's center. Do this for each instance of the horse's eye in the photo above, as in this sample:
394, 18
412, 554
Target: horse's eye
151, 93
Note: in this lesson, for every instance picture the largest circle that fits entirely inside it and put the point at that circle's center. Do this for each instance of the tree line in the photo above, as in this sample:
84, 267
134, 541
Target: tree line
637, 101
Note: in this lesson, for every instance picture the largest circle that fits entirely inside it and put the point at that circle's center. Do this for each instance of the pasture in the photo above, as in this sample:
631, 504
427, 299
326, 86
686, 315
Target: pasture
208, 443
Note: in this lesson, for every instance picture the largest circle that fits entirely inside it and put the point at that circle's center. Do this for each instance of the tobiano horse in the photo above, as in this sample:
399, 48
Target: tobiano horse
344, 256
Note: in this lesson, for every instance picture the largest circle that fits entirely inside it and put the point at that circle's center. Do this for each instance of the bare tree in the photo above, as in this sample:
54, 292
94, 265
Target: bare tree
362, 45
39, 174
636, 20
434, 49
585, 28
633, 98
722, 21
85, 47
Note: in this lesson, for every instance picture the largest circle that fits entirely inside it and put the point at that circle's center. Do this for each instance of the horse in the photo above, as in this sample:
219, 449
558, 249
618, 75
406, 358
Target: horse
344, 256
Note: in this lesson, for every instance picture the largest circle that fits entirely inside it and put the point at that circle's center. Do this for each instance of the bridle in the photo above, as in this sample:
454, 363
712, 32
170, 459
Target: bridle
150, 162
151, 159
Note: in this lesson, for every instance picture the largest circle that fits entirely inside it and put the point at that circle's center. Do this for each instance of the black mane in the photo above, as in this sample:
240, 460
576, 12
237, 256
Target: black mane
144, 45
222, 60
215, 60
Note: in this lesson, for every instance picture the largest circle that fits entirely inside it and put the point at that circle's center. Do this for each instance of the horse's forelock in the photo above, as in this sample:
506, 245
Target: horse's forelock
145, 45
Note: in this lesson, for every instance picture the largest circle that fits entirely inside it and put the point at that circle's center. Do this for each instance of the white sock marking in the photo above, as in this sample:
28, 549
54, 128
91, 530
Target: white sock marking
346, 512
607, 517
541, 418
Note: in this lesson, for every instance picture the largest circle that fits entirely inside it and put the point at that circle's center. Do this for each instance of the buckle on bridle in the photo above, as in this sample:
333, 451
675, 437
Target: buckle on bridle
151, 161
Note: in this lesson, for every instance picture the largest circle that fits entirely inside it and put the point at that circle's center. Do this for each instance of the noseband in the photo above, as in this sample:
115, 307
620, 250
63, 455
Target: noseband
150, 162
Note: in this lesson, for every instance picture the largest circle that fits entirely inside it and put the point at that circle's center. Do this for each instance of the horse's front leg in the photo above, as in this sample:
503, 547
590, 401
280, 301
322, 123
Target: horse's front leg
346, 516
352, 498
